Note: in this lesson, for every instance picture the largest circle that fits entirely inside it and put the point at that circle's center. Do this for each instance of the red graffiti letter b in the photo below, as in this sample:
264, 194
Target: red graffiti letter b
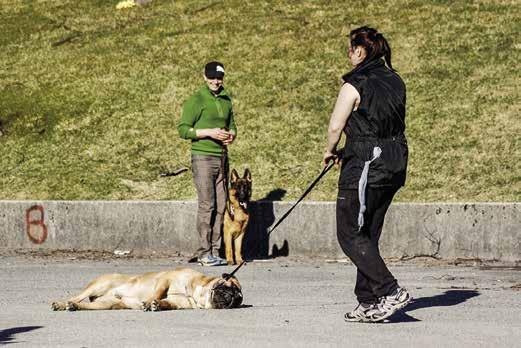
36, 229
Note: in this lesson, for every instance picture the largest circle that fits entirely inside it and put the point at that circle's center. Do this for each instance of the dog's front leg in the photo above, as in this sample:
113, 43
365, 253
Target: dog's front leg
237, 243
228, 246
163, 305
160, 291
175, 302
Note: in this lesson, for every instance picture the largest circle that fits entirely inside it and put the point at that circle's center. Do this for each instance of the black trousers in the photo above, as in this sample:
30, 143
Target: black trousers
373, 279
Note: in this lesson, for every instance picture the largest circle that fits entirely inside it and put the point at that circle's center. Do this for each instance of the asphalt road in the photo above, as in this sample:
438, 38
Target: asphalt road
288, 302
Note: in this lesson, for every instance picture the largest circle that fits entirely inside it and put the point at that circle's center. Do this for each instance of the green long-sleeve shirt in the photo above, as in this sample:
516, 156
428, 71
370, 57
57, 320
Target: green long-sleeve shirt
206, 110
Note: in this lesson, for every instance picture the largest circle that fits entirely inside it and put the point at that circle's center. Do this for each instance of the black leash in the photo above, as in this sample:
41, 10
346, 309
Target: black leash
227, 276
225, 170
326, 169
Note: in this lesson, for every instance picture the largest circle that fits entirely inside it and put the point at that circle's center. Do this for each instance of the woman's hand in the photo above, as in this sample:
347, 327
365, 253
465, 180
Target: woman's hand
330, 156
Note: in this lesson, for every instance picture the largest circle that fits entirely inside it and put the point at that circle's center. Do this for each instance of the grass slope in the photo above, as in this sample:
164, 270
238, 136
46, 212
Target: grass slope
90, 95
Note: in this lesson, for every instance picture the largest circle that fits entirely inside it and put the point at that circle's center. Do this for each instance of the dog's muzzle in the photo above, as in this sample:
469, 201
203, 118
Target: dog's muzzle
225, 297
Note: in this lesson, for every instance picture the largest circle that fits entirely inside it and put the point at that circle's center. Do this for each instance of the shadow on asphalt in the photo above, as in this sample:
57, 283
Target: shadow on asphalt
448, 298
256, 243
7, 336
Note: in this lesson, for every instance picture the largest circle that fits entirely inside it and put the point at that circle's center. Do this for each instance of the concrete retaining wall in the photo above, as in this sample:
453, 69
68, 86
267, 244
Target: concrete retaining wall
487, 231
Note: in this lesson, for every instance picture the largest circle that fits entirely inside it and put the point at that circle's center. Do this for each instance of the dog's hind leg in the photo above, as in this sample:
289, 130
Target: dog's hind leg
58, 306
96, 288
100, 286
99, 304
86, 293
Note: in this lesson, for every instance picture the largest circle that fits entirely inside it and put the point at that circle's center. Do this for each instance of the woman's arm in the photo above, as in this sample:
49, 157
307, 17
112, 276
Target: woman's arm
347, 99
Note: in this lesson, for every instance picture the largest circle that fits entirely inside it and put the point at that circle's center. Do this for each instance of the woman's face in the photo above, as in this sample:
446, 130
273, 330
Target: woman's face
356, 54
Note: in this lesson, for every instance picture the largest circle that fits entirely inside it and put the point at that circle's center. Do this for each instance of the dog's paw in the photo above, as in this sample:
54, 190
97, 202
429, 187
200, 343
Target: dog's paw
155, 306
146, 306
71, 306
58, 306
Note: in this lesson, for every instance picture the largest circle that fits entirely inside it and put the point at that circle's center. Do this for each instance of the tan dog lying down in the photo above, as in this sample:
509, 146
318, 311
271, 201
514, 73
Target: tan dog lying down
181, 288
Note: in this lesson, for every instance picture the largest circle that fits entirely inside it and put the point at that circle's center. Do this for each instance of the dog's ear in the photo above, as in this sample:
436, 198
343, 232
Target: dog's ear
234, 176
247, 174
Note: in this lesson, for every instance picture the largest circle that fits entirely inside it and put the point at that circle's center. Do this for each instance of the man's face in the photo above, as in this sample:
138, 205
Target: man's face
214, 84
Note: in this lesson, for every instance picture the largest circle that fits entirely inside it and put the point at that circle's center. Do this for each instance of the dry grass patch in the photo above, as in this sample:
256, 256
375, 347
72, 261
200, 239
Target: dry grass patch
90, 96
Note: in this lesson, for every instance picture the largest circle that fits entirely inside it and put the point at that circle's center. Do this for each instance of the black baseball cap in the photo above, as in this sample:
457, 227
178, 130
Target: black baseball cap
214, 70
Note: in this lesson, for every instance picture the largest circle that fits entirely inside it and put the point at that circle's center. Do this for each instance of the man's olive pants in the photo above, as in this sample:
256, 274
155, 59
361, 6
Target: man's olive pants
209, 179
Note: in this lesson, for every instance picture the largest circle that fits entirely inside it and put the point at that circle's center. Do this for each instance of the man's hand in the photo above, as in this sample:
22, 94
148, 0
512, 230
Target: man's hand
230, 139
214, 133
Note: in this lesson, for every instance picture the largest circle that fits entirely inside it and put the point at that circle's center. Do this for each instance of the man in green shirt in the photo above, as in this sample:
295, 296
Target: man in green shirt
207, 120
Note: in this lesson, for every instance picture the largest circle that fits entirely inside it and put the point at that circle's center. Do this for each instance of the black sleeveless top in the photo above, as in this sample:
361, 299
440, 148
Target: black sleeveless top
378, 121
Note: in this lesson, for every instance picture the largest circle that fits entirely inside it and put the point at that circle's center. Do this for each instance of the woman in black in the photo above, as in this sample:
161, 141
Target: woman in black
370, 109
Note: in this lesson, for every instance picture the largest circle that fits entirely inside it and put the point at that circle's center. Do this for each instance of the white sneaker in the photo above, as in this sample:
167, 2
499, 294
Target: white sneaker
389, 304
359, 314
212, 261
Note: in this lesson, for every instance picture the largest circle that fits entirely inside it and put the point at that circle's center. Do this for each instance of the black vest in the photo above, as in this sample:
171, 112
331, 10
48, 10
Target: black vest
378, 121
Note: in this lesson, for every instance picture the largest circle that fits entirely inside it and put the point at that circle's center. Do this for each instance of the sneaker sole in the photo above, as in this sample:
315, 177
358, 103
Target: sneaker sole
213, 264
358, 320
207, 264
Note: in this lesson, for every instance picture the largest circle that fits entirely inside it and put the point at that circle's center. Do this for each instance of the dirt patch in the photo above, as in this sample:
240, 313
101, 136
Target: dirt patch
98, 255
178, 257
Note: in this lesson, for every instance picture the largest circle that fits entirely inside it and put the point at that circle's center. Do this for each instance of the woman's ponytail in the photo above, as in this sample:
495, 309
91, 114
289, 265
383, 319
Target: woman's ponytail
373, 42
386, 49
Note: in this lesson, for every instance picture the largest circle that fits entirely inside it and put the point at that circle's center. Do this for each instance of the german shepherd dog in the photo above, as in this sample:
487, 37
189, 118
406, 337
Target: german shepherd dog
236, 216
